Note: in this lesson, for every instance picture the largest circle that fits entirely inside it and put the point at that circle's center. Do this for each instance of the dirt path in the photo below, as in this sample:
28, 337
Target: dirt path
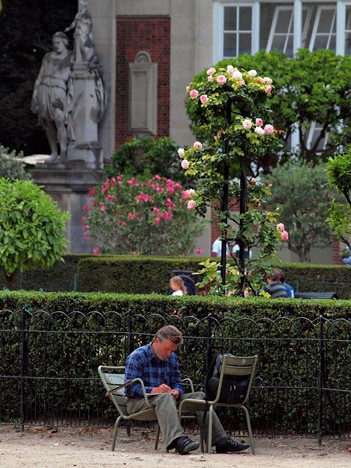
42, 447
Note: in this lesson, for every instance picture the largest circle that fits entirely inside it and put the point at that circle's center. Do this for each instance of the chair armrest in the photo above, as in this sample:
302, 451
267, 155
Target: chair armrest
187, 381
130, 382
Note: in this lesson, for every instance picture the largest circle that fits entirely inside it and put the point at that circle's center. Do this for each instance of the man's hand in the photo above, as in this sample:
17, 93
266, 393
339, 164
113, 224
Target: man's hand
163, 388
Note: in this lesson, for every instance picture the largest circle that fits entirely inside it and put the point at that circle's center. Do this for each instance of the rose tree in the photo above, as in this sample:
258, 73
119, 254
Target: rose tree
153, 217
230, 110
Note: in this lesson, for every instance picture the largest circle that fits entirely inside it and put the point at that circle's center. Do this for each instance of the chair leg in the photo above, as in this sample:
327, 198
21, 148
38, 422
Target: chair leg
157, 437
209, 431
248, 422
114, 435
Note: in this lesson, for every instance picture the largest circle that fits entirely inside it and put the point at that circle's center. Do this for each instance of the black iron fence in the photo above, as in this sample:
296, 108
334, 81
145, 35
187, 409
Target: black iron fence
48, 366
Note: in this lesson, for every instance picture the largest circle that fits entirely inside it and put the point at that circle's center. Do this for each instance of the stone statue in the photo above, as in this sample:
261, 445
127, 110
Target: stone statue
83, 37
86, 99
49, 98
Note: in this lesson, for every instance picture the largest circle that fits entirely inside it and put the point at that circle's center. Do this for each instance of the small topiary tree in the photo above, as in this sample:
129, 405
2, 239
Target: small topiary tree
339, 213
32, 228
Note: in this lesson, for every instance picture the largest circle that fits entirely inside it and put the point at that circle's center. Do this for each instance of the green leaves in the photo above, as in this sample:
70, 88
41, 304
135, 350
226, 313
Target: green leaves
32, 228
149, 217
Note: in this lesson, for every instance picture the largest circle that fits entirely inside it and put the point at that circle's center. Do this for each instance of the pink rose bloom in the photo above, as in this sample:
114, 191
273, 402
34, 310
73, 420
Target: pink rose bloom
199, 251
131, 215
259, 131
194, 93
86, 227
221, 79
285, 236
122, 223
230, 69
185, 195
181, 152
83, 219
267, 80
247, 124
86, 208
197, 145
96, 251
210, 78
157, 220
156, 210
268, 89
211, 71
237, 75
86, 236
191, 205
268, 129
185, 164
204, 98
191, 192
280, 227
101, 208
259, 122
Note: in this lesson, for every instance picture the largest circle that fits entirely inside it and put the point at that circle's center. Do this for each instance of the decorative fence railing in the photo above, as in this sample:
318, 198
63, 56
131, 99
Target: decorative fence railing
48, 366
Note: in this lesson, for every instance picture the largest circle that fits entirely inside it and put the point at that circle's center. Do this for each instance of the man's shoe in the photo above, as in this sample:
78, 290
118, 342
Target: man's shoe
228, 445
186, 445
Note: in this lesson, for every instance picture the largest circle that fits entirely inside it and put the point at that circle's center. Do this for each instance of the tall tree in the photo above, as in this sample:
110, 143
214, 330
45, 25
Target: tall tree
301, 194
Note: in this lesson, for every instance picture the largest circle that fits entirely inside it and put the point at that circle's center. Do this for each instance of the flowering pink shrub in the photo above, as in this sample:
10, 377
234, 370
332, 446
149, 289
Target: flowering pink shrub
149, 217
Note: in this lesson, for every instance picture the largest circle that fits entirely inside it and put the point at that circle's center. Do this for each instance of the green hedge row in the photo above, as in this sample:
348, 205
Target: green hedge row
68, 335
144, 275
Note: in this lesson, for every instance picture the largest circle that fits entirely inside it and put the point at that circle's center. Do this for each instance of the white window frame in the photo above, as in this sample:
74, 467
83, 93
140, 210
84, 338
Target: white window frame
218, 18
331, 34
289, 34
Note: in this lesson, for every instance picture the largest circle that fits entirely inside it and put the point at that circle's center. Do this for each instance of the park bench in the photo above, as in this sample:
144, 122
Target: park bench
315, 295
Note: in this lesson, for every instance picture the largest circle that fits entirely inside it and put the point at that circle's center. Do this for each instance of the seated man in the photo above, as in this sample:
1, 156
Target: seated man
157, 365
275, 287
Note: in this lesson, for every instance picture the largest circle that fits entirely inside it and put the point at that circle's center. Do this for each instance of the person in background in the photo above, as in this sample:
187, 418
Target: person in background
236, 252
216, 250
177, 284
288, 287
156, 364
274, 286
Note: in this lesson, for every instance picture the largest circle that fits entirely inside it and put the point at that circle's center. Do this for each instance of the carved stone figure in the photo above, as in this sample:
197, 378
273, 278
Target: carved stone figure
49, 98
86, 93
83, 37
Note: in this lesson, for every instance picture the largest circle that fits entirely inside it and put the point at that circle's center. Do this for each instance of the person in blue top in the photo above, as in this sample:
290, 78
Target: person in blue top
288, 287
157, 365
274, 286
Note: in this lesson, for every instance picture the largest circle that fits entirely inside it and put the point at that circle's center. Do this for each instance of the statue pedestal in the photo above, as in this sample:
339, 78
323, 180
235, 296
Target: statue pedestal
69, 187
85, 109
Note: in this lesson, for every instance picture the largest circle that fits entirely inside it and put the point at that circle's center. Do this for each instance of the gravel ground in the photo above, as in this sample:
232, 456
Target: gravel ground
76, 447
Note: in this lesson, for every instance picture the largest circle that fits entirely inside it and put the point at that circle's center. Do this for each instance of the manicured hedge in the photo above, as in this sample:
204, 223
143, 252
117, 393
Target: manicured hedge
66, 337
145, 275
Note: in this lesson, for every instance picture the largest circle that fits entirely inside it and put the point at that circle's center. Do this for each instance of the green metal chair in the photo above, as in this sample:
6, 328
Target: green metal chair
234, 366
112, 378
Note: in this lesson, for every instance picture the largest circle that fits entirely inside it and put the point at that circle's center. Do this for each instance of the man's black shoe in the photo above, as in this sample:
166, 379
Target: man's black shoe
186, 445
228, 445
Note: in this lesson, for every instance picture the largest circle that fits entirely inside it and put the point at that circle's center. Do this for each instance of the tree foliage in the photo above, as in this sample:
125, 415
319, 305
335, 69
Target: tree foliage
301, 194
32, 229
11, 166
312, 87
339, 214
146, 157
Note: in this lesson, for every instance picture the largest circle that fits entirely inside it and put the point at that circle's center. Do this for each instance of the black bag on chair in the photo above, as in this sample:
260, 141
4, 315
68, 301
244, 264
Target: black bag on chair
234, 387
